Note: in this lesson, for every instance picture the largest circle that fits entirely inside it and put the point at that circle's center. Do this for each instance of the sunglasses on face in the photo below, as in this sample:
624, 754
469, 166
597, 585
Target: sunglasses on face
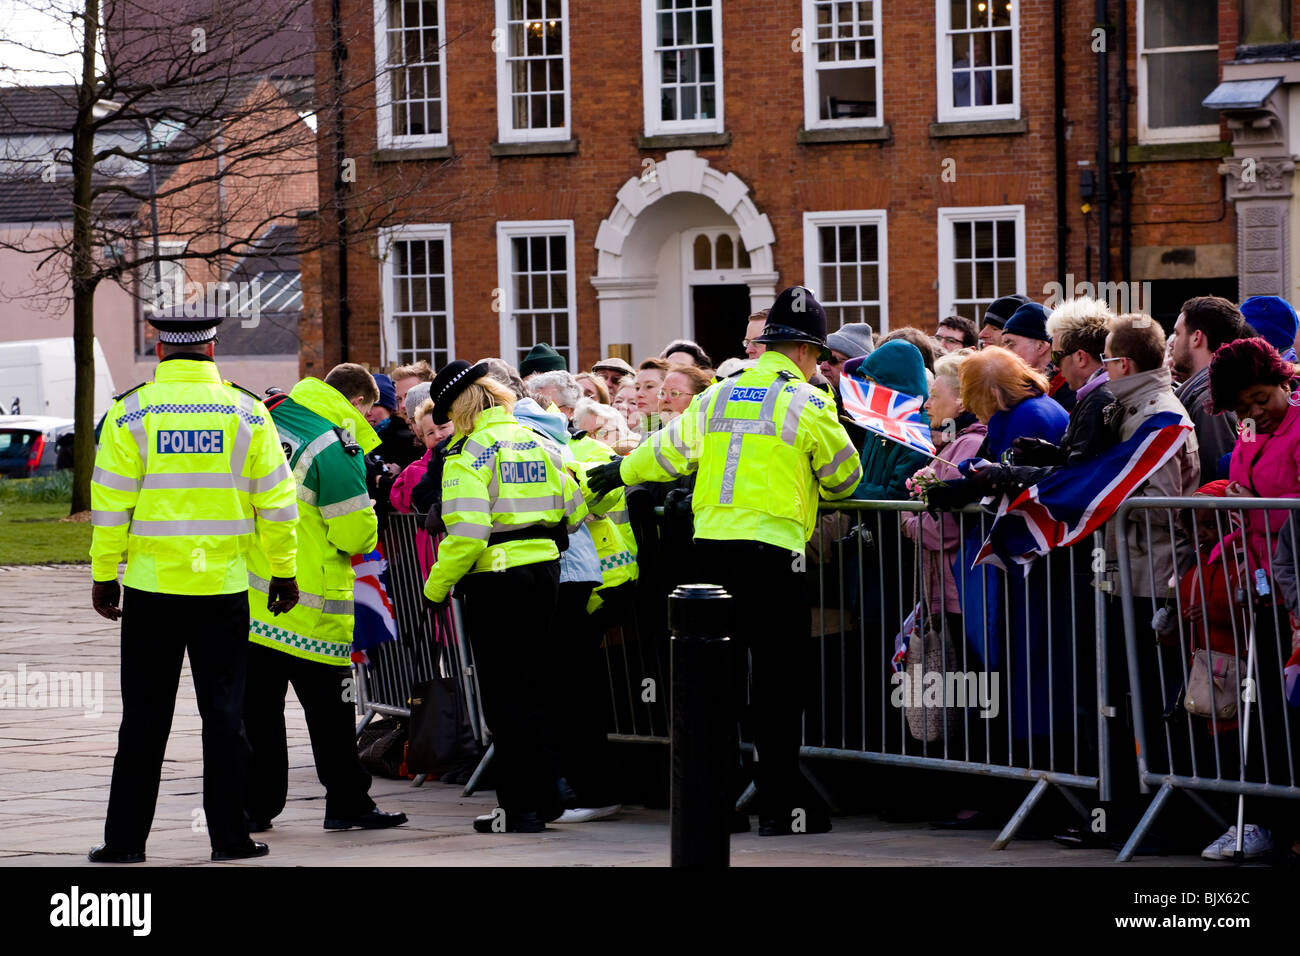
1058, 355
832, 361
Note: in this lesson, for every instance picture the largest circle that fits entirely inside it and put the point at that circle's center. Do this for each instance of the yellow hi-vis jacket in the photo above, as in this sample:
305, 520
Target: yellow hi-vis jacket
500, 479
764, 443
326, 440
188, 471
607, 521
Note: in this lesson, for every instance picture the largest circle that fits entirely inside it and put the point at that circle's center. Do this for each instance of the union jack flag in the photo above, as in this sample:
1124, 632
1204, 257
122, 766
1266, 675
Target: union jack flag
374, 621
1073, 501
890, 414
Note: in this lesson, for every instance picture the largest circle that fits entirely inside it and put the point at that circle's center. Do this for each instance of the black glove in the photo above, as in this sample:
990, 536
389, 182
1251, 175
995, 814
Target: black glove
952, 495
1036, 452
605, 478
432, 606
677, 504
104, 596
282, 595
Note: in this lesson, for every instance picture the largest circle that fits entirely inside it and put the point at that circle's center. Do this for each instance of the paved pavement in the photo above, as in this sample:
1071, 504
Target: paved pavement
55, 765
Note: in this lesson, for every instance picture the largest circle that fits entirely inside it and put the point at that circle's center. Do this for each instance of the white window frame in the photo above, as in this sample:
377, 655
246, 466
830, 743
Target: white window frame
388, 328
654, 125
953, 214
506, 131
811, 67
168, 270
385, 138
943, 60
508, 231
1165, 134
812, 221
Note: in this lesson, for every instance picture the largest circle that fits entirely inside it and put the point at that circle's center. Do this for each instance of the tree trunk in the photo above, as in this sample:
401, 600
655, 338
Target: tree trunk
83, 266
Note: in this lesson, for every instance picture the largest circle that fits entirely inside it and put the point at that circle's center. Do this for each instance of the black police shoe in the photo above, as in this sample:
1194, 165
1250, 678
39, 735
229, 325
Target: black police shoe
372, 819
245, 852
520, 822
776, 826
104, 854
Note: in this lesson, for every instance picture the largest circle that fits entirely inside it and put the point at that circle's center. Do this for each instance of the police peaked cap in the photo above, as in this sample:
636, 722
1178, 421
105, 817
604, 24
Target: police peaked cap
796, 316
180, 329
451, 380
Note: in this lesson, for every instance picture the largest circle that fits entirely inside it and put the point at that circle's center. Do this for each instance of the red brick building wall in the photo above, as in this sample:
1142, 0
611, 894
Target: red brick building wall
1175, 202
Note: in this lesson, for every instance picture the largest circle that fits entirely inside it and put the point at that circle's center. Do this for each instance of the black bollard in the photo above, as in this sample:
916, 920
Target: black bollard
703, 726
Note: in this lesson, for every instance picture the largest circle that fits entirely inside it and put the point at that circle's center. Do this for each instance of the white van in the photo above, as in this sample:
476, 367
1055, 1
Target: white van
37, 378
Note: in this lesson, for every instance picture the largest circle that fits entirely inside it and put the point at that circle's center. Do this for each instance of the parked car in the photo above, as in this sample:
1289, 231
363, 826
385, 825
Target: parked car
29, 445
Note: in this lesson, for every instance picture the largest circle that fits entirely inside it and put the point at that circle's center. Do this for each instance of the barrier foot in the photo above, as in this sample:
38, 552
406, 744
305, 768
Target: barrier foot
1022, 812
1074, 801
1210, 812
472, 784
818, 786
1148, 818
747, 797
370, 715
419, 779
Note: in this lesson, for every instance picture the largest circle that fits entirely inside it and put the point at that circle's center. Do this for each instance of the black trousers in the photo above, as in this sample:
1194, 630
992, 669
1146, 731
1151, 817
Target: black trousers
580, 697
509, 617
157, 631
320, 689
772, 623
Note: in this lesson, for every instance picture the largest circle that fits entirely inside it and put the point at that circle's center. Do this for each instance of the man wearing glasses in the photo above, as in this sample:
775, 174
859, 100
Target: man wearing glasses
956, 332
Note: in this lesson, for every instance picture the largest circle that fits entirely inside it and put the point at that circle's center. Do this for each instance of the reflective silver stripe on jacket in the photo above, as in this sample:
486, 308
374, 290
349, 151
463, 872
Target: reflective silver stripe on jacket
738, 428
214, 527
849, 482
287, 513
270, 482
314, 448
532, 505
210, 480
134, 419
110, 519
467, 529
458, 505
305, 598
345, 507
113, 480
306, 495
243, 434
843, 455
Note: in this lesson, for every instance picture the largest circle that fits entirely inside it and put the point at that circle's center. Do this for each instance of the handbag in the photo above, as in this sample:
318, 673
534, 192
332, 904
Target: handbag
1212, 684
380, 747
441, 736
926, 655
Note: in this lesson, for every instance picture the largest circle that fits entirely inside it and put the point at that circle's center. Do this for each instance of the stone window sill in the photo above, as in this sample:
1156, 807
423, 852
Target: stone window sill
1002, 127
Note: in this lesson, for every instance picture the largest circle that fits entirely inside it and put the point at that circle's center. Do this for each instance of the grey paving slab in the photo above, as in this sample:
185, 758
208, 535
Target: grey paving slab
55, 767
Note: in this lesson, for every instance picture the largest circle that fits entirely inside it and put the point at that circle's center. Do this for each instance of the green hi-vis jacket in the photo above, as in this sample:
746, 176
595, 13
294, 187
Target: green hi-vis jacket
335, 521
608, 521
500, 478
765, 443
189, 477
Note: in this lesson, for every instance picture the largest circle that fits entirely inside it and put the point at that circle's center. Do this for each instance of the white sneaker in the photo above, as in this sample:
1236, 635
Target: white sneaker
1257, 842
587, 814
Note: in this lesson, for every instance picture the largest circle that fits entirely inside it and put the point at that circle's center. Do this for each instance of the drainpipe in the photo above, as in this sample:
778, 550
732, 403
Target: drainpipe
1125, 177
337, 55
1103, 154
1062, 225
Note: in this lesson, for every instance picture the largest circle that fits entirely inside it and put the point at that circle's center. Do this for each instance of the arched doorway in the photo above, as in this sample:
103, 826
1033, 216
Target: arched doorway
647, 267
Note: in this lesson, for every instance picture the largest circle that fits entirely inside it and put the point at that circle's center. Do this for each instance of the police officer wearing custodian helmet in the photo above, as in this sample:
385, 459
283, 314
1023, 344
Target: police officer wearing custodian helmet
766, 447
189, 471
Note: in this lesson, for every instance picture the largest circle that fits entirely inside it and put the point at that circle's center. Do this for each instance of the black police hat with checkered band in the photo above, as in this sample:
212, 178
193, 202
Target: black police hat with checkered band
452, 379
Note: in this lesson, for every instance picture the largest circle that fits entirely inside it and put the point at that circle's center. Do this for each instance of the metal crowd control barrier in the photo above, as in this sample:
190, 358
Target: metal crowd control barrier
1244, 599
1006, 672
427, 645
1026, 689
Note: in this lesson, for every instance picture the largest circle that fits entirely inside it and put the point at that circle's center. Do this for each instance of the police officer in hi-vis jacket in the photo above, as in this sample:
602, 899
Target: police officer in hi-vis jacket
766, 447
509, 506
189, 472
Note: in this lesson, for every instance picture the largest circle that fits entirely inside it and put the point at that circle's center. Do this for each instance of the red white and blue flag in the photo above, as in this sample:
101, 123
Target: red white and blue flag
375, 621
1073, 501
890, 414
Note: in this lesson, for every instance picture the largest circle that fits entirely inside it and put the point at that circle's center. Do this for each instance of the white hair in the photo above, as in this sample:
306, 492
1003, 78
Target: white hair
567, 391
1073, 314
731, 365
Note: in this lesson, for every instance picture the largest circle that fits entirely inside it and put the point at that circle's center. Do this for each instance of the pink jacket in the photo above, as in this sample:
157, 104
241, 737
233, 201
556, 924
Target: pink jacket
939, 535
400, 498
1269, 466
